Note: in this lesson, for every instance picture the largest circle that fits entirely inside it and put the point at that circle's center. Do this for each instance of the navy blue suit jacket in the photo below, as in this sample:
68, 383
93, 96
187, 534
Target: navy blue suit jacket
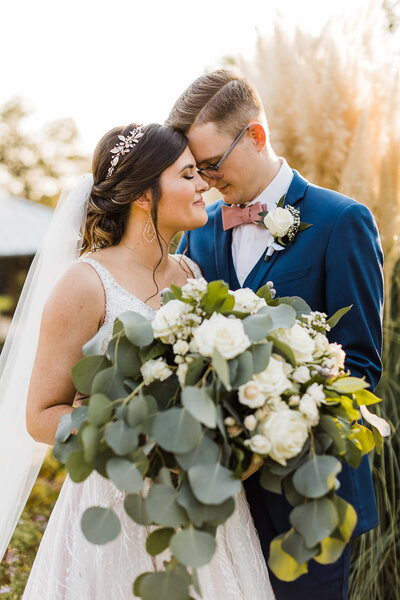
335, 263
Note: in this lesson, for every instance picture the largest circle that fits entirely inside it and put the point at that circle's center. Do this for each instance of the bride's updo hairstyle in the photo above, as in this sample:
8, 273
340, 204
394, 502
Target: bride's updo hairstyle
114, 189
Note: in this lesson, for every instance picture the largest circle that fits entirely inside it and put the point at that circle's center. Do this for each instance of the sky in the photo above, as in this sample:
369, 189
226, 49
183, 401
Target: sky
107, 63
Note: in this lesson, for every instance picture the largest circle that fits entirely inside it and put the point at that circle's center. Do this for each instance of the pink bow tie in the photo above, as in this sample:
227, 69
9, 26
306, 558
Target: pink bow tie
232, 216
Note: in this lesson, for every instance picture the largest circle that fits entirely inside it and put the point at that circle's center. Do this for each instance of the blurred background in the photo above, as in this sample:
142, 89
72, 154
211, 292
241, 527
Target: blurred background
329, 76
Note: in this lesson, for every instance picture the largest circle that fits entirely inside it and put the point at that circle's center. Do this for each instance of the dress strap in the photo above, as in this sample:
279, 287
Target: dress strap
105, 277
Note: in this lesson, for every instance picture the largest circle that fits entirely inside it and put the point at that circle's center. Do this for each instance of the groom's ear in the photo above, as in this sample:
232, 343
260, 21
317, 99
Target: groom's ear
258, 134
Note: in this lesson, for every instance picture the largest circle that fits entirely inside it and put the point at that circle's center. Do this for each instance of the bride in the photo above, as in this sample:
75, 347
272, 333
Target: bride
107, 250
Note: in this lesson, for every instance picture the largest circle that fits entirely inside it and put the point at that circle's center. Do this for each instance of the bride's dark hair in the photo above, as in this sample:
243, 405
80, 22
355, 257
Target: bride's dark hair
137, 171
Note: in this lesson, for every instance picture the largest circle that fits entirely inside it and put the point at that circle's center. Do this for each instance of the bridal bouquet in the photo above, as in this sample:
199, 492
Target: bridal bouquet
219, 384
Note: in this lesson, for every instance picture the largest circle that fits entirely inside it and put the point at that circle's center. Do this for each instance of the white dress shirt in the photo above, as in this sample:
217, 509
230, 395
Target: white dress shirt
250, 241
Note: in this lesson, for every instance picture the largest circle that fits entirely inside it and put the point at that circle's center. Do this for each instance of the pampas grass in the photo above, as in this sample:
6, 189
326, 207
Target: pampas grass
332, 103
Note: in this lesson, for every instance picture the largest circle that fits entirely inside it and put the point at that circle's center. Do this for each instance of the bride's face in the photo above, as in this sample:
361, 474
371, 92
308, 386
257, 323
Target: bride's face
181, 206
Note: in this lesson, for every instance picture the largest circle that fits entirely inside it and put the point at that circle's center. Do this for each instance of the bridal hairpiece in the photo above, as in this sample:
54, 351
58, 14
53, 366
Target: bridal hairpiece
124, 146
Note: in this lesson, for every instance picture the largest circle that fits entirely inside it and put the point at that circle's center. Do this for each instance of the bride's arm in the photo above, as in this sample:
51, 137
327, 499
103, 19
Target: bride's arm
72, 316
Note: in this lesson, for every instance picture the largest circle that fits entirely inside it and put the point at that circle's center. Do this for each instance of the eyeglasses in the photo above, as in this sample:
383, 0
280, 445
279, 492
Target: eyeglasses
212, 170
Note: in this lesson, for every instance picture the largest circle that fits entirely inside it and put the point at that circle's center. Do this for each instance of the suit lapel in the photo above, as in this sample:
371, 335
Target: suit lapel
295, 193
222, 245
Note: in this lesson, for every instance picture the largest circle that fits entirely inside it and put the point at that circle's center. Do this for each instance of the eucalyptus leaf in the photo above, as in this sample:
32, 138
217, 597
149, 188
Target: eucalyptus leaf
315, 520
261, 355
199, 513
330, 426
206, 452
298, 304
347, 518
195, 370
283, 350
95, 345
199, 404
135, 507
317, 476
265, 292
331, 550
137, 328
347, 385
165, 585
284, 566
125, 475
90, 440
335, 318
193, 548
366, 397
77, 467
121, 438
220, 365
61, 451
158, 541
99, 409
269, 481
217, 298
291, 494
212, 484
139, 408
100, 525
163, 508
79, 416
84, 372
64, 428
176, 430
125, 355
294, 545
155, 350
245, 370
258, 326
283, 315
109, 382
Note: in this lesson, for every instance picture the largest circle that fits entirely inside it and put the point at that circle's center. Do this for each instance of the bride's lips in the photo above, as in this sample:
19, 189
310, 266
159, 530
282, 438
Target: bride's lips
199, 202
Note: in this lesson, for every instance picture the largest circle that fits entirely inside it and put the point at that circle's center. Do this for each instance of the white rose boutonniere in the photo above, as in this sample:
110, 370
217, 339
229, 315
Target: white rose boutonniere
284, 223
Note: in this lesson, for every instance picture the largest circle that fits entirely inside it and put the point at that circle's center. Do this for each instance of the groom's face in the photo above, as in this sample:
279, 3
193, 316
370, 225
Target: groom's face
238, 173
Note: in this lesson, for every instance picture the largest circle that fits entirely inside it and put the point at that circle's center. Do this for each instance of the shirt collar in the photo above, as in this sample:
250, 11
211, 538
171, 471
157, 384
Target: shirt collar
277, 188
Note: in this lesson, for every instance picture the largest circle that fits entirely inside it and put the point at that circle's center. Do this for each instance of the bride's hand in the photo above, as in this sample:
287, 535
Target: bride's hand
256, 462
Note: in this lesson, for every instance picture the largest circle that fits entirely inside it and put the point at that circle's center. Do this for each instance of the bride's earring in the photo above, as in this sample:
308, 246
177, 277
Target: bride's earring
149, 231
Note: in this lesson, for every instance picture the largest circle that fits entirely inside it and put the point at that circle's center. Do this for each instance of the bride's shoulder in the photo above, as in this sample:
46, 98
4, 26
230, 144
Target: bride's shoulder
194, 267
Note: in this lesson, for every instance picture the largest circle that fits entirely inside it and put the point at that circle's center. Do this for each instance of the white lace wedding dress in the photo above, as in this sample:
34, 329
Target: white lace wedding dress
68, 567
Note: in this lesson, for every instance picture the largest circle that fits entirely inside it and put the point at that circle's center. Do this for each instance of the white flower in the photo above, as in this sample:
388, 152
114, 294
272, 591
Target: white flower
321, 343
194, 288
299, 341
258, 443
223, 334
308, 407
273, 381
294, 400
179, 359
250, 394
337, 353
247, 301
181, 373
229, 421
316, 391
169, 320
250, 422
286, 430
279, 221
155, 369
181, 347
301, 374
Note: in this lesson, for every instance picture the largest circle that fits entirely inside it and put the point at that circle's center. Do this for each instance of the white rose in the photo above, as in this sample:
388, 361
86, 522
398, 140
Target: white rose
309, 409
301, 374
337, 353
321, 343
273, 381
316, 391
180, 347
225, 335
299, 341
168, 320
181, 373
259, 444
250, 394
247, 301
279, 221
250, 422
286, 430
155, 369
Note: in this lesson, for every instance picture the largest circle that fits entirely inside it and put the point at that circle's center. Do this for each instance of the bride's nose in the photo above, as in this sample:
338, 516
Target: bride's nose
201, 184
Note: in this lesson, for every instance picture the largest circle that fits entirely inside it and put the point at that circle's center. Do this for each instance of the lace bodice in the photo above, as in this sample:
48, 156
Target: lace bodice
119, 300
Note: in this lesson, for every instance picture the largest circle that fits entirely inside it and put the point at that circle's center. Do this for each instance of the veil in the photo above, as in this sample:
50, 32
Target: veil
20, 455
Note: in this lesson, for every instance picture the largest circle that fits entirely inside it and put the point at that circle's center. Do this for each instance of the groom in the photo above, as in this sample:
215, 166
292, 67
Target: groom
335, 263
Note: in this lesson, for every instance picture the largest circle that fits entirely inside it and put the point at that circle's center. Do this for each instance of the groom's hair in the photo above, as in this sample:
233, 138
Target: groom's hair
219, 97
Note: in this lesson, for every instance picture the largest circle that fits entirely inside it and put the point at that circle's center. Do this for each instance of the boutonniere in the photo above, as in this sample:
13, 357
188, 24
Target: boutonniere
284, 224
